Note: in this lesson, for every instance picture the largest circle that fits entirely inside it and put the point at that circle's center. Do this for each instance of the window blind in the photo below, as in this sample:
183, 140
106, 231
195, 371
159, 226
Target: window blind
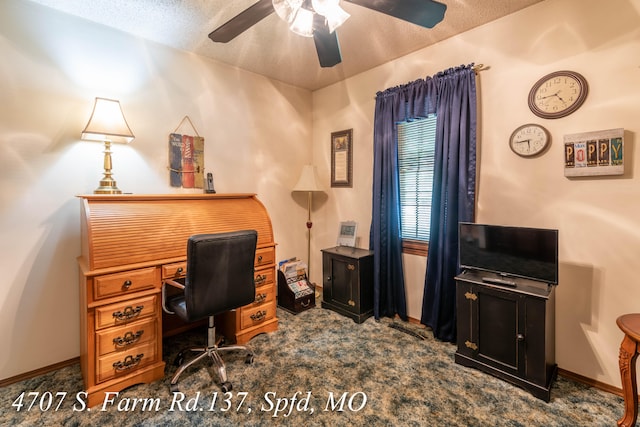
416, 157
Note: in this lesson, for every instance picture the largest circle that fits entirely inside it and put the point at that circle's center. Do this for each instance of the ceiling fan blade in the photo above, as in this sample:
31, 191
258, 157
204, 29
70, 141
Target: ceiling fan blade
426, 13
327, 45
242, 22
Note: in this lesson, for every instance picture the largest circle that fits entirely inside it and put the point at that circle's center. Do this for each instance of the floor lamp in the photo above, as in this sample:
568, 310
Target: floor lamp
308, 182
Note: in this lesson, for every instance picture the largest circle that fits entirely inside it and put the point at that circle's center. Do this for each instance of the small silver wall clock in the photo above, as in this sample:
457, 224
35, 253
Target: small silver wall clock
558, 94
529, 140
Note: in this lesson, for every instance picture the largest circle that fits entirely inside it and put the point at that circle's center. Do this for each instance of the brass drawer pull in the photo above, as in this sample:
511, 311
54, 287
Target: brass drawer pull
260, 298
130, 362
128, 339
351, 267
129, 312
258, 316
179, 270
260, 279
126, 285
306, 304
259, 258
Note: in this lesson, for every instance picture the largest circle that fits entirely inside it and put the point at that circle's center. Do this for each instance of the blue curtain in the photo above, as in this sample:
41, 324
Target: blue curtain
453, 197
413, 100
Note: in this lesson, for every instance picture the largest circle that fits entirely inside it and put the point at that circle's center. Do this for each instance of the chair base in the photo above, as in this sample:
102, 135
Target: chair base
212, 350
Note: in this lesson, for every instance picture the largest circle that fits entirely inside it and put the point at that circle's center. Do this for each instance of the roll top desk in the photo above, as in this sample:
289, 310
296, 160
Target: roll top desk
130, 243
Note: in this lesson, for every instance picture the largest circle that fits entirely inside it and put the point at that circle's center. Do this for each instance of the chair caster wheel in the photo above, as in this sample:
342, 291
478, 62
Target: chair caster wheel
226, 387
249, 359
179, 359
174, 388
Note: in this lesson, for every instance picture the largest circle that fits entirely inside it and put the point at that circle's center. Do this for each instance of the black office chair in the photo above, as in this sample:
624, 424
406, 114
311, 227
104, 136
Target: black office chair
219, 278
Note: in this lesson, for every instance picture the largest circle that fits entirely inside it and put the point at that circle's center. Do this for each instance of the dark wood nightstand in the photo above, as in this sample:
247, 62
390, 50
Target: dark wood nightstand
347, 281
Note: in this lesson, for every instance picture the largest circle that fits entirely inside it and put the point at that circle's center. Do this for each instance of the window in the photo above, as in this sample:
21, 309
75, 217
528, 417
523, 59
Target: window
416, 156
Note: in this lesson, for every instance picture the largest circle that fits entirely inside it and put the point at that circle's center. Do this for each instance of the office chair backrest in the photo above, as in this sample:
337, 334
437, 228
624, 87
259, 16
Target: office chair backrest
220, 273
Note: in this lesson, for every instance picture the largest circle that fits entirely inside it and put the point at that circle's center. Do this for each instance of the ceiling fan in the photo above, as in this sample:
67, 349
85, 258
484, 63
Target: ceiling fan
426, 13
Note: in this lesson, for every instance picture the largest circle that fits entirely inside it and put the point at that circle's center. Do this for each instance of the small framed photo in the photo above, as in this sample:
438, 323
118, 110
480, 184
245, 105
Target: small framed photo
347, 233
342, 158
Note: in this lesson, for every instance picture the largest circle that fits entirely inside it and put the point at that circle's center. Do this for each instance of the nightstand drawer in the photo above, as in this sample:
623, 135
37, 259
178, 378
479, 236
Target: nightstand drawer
123, 363
121, 338
254, 315
265, 256
124, 312
110, 285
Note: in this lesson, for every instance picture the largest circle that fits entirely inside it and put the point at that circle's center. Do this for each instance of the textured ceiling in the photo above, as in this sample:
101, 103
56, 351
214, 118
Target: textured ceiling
367, 39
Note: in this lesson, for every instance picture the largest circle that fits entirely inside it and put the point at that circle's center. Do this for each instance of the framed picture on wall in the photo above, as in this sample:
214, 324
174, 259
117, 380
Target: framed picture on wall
342, 158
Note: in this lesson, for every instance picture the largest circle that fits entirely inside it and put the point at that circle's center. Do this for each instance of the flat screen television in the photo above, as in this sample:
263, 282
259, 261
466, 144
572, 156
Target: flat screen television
531, 253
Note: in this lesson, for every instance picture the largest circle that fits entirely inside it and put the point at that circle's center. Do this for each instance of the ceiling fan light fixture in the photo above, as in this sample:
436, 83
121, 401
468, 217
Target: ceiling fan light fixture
336, 16
324, 6
303, 23
287, 9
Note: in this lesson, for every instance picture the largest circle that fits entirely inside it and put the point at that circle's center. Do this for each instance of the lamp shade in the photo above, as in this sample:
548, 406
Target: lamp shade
107, 122
308, 180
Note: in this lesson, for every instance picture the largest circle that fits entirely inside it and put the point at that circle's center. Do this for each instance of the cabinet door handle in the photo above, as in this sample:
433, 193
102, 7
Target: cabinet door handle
520, 337
351, 267
328, 278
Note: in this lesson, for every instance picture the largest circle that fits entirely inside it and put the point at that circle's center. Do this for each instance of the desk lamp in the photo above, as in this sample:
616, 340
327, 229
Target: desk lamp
107, 123
308, 182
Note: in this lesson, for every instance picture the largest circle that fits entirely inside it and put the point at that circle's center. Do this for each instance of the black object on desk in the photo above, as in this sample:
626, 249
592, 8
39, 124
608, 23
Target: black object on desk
347, 281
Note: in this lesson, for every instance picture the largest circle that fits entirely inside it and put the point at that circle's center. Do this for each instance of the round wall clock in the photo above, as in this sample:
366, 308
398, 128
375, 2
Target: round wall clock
529, 140
558, 94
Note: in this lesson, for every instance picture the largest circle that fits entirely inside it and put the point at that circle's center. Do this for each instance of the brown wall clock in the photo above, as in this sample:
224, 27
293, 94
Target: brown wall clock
558, 94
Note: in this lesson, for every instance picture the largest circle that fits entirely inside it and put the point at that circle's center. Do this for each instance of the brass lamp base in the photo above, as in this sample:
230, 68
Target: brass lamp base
107, 184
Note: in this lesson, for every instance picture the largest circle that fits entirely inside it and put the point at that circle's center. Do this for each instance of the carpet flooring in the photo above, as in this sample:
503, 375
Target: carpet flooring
318, 369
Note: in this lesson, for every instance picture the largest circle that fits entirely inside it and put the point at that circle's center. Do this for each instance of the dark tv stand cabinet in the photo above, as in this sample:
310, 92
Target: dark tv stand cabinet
507, 331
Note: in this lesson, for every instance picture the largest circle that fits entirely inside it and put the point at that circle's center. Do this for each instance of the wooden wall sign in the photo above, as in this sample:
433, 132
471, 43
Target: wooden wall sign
594, 153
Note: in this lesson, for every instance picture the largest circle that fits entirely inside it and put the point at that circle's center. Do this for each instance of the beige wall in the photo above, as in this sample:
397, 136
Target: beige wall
597, 218
256, 140
255, 130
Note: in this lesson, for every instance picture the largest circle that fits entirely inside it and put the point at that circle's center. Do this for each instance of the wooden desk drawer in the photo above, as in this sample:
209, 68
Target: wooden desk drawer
264, 294
177, 269
122, 338
125, 312
122, 283
265, 256
264, 277
123, 363
253, 316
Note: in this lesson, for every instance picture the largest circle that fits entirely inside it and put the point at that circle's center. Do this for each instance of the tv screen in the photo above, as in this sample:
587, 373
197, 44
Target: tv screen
530, 253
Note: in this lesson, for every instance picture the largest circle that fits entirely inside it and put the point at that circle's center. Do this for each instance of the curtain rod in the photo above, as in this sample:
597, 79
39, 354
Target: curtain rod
480, 67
